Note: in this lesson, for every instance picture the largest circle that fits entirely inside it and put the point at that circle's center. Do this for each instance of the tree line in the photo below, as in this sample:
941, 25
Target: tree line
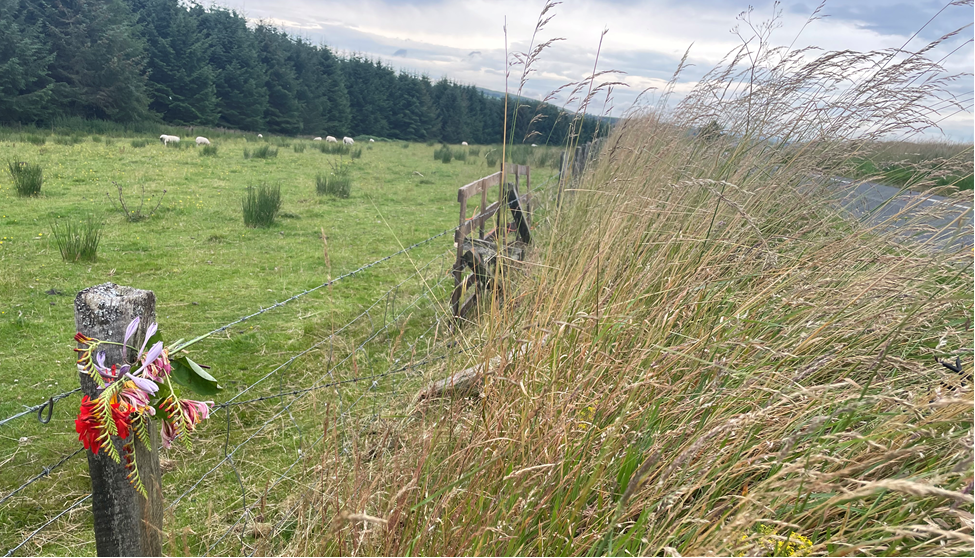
162, 60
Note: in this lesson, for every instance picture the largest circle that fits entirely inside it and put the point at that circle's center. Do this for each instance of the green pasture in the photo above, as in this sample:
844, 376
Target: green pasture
207, 269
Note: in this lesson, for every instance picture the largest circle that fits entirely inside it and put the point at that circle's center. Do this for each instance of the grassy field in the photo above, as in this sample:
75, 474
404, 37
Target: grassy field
916, 165
206, 269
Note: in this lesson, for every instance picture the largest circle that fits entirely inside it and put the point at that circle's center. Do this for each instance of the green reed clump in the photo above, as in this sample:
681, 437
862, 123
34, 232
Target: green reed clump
78, 242
177, 144
208, 151
460, 154
263, 152
34, 139
443, 154
330, 148
492, 157
28, 177
357, 153
474, 151
281, 142
405, 145
137, 143
261, 205
70, 140
337, 183
518, 154
299, 147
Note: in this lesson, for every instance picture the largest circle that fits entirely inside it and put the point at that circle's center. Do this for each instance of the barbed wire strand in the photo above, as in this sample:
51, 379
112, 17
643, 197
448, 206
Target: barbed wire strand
51, 400
45, 526
331, 336
298, 393
292, 402
390, 371
328, 283
44, 472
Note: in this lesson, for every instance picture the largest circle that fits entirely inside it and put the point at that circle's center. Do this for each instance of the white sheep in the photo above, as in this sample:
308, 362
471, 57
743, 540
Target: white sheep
534, 145
372, 140
168, 139
331, 139
200, 140
319, 138
260, 135
464, 143
347, 140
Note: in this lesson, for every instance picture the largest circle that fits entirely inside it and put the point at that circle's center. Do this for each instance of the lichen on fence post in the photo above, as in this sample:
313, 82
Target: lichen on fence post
126, 524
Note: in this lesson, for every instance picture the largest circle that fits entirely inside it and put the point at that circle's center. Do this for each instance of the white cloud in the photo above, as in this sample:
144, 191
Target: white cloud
645, 39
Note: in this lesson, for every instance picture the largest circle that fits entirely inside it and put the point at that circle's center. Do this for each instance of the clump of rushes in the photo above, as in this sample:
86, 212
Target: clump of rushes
175, 144
78, 242
261, 205
330, 148
208, 151
492, 157
443, 154
35, 139
338, 183
137, 143
299, 147
28, 178
134, 214
704, 344
357, 153
263, 152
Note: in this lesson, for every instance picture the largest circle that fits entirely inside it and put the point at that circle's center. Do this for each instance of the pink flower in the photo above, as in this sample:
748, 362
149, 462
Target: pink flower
169, 432
195, 411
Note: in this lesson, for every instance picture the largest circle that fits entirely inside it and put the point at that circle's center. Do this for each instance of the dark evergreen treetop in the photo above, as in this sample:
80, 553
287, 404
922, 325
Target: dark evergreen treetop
164, 60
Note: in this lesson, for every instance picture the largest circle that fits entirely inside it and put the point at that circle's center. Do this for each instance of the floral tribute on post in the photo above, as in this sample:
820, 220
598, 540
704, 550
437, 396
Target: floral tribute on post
128, 394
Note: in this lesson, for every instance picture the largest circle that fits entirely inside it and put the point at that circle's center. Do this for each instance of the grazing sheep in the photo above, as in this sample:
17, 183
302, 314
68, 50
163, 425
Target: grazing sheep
168, 139
347, 140
372, 140
260, 135
464, 143
534, 145
319, 138
200, 140
330, 139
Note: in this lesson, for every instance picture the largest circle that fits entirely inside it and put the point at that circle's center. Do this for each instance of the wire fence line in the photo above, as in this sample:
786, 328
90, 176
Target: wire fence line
51, 400
46, 525
45, 471
39, 408
330, 337
289, 397
327, 283
301, 394
272, 485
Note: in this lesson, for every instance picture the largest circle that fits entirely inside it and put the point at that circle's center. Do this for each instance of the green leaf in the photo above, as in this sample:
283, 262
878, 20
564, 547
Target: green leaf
191, 375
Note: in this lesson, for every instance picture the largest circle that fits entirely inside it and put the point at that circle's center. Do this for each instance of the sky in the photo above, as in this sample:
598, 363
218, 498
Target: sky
465, 40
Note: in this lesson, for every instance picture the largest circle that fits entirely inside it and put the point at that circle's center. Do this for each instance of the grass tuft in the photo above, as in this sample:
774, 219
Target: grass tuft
261, 205
28, 178
208, 151
338, 183
78, 242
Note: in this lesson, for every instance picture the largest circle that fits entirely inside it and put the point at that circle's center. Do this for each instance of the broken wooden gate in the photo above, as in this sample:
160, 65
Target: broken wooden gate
478, 252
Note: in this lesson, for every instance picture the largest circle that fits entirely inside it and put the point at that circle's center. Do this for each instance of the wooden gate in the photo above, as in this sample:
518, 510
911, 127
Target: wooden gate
476, 248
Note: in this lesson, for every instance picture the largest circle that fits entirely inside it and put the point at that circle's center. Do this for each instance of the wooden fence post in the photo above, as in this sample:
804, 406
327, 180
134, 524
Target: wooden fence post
126, 524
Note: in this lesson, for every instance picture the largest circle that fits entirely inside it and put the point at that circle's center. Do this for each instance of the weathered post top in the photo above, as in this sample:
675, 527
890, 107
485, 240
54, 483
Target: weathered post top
126, 524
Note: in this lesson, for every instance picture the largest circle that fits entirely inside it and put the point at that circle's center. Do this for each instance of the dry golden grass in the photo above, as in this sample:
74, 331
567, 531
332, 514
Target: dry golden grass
704, 357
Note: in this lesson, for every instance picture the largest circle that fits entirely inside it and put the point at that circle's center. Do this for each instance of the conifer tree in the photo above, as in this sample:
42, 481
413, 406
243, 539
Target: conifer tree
25, 56
99, 58
283, 115
239, 76
181, 82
